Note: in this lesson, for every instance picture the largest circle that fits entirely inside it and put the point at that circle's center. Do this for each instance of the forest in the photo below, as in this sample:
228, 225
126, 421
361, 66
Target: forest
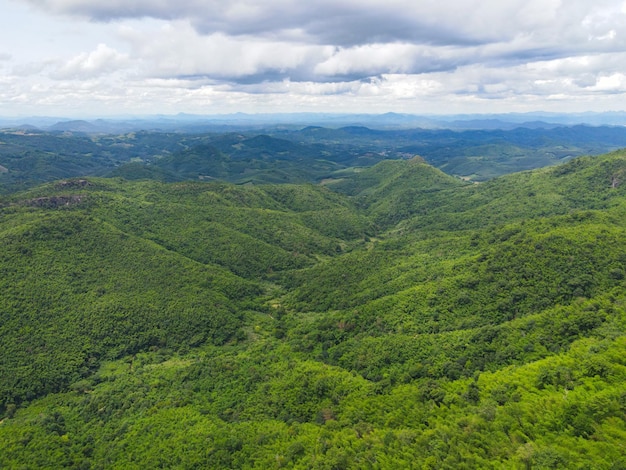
273, 154
268, 301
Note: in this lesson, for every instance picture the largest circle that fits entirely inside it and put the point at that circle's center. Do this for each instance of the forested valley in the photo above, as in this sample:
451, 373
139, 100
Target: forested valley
264, 302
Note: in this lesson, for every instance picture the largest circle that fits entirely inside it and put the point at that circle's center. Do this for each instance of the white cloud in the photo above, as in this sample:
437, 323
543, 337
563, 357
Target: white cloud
177, 50
614, 83
373, 59
103, 60
185, 55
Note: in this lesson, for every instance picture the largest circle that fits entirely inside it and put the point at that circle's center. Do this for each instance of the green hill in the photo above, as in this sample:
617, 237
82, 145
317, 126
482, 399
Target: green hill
76, 290
393, 190
97, 269
394, 318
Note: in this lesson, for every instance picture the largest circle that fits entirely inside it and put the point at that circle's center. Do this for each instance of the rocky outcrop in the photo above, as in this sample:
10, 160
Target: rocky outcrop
52, 202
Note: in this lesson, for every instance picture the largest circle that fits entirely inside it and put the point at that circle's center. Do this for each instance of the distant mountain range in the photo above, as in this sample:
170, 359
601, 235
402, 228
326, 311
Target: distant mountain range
277, 154
220, 122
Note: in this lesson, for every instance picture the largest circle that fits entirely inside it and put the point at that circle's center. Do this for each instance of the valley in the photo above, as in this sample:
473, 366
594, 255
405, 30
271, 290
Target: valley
397, 316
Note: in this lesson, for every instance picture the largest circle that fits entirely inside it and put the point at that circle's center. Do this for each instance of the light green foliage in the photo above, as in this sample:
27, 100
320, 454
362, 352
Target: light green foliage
399, 318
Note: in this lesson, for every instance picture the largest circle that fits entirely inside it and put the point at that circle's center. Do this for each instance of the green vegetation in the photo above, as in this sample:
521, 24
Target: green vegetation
395, 317
29, 157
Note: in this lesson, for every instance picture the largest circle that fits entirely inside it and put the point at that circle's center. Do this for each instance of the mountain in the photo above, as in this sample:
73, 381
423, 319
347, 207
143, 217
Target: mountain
476, 124
183, 122
73, 126
34, 157
283, 154
394, 317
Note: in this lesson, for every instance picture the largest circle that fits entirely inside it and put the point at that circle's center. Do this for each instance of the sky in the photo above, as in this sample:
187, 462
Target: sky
99, 58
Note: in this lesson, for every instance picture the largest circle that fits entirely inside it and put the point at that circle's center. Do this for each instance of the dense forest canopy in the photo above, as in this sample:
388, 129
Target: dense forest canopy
30, 156
369, 312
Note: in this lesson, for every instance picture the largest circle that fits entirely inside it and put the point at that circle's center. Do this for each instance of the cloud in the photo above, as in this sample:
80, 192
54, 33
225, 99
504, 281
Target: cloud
177, 50
362, 53
613, 83
344, 23
375, 59
341, 22
261, 40
101, 61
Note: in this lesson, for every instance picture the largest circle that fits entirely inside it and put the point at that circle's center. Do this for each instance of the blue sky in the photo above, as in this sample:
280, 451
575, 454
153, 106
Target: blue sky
106, 58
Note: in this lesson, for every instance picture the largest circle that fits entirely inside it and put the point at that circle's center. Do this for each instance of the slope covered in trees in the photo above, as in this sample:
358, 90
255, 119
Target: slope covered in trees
394, 318
280, 154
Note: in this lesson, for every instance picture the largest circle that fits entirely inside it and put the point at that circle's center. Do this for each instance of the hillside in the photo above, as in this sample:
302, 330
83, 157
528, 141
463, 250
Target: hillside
279, 155
395, 317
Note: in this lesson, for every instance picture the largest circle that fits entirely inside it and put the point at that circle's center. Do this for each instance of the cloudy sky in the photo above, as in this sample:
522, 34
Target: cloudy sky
112, 57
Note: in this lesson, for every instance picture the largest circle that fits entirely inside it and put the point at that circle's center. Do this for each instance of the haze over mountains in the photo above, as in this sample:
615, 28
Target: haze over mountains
244, 148
193, 122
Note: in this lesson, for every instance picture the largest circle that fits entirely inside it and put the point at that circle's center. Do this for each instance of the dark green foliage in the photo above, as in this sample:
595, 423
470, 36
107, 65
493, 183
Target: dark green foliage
139, 171
477, 154
203, 160
30, 157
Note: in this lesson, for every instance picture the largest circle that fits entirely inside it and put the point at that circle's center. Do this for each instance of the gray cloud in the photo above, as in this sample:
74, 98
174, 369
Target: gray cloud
375, 52
368, 37
346, 22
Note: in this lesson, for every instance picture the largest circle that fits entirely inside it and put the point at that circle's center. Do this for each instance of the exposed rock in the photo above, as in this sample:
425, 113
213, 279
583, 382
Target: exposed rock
82, 183
54, 201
